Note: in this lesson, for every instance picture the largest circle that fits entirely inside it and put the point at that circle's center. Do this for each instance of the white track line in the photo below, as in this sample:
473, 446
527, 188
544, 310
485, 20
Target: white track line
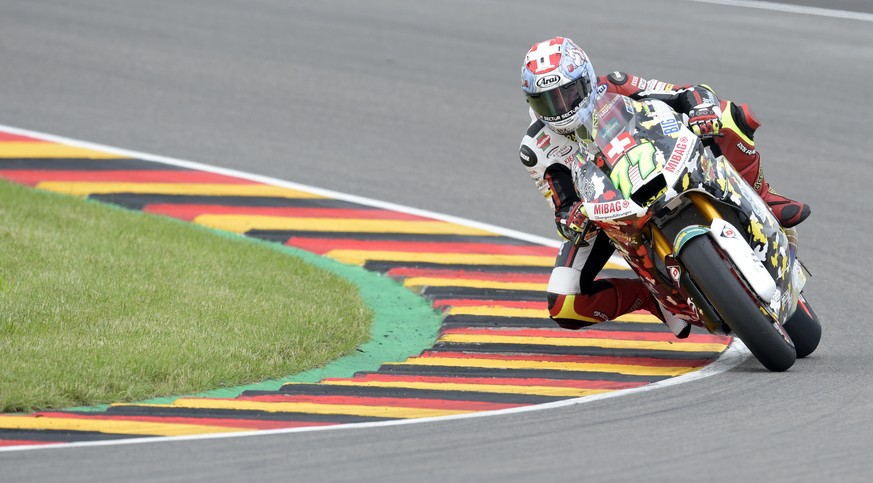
799, 9
731, 357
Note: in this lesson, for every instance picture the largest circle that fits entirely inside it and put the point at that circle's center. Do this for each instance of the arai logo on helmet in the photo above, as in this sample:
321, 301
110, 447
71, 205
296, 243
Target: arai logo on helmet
548, 80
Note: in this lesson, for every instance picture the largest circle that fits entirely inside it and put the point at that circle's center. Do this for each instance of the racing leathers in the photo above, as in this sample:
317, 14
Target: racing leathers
575, 298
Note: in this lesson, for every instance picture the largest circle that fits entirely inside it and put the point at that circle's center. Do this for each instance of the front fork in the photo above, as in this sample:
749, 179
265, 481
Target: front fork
663, 247
664, 250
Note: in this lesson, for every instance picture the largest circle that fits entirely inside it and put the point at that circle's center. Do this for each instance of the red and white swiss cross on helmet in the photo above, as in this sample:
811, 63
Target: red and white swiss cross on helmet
559, 83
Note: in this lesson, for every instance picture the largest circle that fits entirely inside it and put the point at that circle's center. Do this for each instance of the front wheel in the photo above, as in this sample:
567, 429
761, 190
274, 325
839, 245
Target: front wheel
804, 328
727, 292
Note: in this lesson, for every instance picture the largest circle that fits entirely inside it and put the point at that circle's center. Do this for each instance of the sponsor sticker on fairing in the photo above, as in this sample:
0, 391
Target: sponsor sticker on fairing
669, 126
610, 128
609, 210
605, 108
681, 154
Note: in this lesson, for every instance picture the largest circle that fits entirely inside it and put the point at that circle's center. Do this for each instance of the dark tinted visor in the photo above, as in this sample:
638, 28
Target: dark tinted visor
559, 104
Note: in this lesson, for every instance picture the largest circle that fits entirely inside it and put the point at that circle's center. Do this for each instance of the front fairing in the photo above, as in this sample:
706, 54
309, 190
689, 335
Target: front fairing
642, 147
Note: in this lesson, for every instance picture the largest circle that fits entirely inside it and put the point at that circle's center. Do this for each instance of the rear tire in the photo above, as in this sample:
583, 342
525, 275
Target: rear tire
730, 297
804, 328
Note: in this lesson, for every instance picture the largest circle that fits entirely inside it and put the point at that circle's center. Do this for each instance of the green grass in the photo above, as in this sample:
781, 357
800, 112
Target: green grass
99, 304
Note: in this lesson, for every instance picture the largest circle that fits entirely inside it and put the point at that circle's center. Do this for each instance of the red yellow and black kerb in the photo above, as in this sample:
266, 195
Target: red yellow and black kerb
497, 349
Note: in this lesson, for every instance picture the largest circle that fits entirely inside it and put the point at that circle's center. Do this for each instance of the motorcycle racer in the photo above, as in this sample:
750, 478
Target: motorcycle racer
561, 89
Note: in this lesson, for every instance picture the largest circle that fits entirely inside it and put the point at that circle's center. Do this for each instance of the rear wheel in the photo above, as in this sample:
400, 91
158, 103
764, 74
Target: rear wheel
729, 295
804, 328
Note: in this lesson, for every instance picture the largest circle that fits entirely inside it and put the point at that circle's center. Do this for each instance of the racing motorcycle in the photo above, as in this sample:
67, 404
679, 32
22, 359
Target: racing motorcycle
707, 246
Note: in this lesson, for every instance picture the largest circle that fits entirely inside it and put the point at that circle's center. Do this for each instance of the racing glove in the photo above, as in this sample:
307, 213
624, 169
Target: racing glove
574, 224
705, 119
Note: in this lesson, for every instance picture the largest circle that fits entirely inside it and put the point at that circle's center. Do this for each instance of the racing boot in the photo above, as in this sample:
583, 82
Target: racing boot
605, 299
738, 146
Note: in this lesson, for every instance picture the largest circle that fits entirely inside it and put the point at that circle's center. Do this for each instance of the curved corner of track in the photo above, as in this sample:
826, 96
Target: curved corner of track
496, 349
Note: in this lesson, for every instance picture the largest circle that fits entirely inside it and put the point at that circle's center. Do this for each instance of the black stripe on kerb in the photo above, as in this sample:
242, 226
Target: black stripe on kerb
238, 414
63, 436
486, 348
411, 237
483, 294
488, 321
452, 371
86, 164
284, 235
384, 266
399, 392
138, 200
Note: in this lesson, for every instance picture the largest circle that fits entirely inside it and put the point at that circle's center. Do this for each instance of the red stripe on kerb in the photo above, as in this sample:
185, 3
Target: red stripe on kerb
500, 381
318, 245
633, 361
32, 177
228, 423
385, 401
25, 442
189, 212
9, 137
509, 304
469, 275
594, 334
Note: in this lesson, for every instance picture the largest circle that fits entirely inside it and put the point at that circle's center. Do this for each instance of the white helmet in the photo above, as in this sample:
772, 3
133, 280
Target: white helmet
559, 83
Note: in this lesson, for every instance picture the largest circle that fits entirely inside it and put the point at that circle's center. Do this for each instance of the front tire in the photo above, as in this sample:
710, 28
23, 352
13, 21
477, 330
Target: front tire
728, 294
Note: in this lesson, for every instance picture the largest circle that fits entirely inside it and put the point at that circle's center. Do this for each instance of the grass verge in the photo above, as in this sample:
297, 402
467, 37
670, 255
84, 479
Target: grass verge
101, 305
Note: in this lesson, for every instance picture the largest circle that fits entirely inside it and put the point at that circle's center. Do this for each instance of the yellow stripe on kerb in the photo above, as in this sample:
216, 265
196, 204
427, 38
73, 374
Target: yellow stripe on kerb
244, 223
308, 408
110, 426
546, 365
639, 319
677, 345
496, 388
50, 150
89, 188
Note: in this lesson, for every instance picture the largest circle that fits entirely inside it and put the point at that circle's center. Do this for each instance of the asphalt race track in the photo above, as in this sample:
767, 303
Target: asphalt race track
418, 103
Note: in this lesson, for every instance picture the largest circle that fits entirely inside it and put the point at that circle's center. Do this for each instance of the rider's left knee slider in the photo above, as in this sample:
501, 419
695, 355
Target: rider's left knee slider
562, 309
